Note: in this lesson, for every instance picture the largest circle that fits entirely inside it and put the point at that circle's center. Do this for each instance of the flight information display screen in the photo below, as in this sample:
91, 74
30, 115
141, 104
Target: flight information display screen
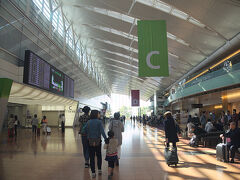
36, 71
39, 73
56, 81
69, 87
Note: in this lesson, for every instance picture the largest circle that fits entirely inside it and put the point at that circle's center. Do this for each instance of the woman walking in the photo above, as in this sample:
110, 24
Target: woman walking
82, 123
94, 129
171, 130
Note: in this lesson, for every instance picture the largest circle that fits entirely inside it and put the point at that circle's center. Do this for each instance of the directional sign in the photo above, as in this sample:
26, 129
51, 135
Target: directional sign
135, 95
152, 48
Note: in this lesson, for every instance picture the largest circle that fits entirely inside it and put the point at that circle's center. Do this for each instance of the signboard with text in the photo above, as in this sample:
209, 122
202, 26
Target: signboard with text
135, 97
152, 48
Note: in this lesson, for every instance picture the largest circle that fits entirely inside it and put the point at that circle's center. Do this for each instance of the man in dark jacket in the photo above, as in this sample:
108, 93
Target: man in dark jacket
234, 134
170, 129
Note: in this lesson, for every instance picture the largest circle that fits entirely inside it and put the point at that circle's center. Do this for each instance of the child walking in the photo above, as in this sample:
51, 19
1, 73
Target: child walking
111, 145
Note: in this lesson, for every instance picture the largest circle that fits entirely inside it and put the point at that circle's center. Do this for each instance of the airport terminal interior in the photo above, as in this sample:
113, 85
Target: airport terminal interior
119, 89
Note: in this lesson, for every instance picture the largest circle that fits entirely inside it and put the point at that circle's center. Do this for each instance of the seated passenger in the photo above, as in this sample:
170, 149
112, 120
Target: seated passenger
197, 134
189, 127
218, 126
209, 126
234, 134
196, 120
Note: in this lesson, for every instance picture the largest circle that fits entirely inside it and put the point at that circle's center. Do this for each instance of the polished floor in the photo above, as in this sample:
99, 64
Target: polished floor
59, 157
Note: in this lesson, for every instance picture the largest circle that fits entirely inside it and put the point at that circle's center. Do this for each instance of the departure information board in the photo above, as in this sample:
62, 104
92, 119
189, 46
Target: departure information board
39, 73
69, 87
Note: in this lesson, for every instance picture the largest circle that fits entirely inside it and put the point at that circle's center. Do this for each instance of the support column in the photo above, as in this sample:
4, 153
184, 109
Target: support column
70, 112
224, 101
5, 88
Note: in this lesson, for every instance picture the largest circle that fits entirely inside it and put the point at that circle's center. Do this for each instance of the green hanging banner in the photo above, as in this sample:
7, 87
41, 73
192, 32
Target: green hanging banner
152, 48
5, 87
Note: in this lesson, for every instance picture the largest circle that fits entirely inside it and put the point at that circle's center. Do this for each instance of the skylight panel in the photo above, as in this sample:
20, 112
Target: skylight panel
127, 18
119, 62
46, 9
38, 3
162, 6
100, 10
182, 42
196, 22
171, 36
119, 54
179, 14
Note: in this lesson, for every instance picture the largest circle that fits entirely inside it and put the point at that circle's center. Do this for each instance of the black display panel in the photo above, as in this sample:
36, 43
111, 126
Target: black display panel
36, 71
39, 73
69, 87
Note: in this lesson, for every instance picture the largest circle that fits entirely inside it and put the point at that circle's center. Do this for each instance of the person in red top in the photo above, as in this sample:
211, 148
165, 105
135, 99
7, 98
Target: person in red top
44, 124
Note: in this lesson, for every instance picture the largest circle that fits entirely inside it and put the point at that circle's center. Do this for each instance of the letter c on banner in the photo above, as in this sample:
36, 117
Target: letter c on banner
149, 60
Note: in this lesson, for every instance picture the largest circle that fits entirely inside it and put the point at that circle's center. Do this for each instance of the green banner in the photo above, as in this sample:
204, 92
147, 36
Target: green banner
5, 87
152, 48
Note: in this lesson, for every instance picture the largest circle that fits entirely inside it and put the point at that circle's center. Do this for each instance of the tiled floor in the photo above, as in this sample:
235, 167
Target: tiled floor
60, 157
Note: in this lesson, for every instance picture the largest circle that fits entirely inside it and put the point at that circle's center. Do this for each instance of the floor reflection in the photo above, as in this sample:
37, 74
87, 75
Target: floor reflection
59, 156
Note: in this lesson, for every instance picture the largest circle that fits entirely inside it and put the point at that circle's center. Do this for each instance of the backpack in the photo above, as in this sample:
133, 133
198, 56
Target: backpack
84, 128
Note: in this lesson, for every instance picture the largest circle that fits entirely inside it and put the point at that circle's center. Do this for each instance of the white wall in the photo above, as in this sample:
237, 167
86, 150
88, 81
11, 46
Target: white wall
11, 71
52, 117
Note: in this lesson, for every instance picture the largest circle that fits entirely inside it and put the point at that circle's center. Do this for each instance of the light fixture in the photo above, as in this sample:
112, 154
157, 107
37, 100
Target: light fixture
232, 95
218, 107
213, 66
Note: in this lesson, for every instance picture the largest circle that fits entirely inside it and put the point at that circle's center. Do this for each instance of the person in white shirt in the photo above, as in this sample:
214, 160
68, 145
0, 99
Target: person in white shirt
209, 126
189, 128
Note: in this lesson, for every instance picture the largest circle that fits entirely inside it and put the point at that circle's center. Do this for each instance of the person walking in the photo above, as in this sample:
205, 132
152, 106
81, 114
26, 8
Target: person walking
82, 123
34, 124
15, 125
94, 129
209, 126
44, 124
63, 123
203, 119
111, 146
117, 127
235, 117
170, 129
224, 120
11, 126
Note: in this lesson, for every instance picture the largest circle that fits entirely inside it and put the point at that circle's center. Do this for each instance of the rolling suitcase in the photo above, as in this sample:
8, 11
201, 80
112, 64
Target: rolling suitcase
48, 130
221, 152
171, 156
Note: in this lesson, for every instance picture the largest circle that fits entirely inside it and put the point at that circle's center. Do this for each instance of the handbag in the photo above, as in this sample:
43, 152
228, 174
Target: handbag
93, 142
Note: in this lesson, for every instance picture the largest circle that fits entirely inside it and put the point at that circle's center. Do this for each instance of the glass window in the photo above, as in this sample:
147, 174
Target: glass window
43, 6
38, 3
78, 51
84, 60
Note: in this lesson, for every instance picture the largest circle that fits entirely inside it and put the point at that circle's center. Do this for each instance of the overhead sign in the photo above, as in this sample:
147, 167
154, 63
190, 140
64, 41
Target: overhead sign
135, 96
152, 48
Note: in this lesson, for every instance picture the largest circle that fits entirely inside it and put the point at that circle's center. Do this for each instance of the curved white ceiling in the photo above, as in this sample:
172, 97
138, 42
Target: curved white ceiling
196, 29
